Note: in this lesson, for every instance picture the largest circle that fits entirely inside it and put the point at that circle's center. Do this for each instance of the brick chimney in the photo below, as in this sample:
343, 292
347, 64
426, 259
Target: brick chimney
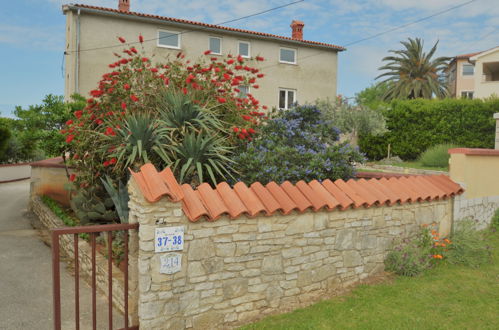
124, 5
297, 29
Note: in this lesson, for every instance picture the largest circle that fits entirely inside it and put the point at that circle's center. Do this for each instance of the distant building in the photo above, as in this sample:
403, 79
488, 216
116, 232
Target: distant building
474, 75
296, 70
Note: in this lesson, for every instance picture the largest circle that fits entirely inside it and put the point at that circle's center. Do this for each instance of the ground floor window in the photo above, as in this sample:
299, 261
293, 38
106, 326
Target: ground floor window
287, 97
467, 95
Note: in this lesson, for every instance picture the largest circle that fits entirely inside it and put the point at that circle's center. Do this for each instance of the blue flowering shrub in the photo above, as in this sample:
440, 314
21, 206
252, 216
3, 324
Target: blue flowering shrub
297, 144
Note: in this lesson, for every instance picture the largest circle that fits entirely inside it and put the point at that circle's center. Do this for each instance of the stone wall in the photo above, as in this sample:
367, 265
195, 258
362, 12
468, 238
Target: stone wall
480, 209
235, 271
50, 220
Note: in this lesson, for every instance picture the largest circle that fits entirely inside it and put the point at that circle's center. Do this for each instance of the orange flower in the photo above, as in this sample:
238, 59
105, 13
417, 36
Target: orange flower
437, 256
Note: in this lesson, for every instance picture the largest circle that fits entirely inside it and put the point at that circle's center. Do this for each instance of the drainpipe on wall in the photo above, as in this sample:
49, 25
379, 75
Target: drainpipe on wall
77, 61
496, 117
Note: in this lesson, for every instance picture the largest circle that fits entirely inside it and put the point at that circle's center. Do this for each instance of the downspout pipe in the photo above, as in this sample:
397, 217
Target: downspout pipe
77, 60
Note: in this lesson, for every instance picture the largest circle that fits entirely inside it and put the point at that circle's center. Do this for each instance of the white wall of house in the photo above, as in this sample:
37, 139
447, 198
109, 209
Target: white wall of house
485, 85
313, 76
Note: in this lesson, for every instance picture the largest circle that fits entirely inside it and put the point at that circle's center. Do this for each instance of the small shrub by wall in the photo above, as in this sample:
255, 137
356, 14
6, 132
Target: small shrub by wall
416, 125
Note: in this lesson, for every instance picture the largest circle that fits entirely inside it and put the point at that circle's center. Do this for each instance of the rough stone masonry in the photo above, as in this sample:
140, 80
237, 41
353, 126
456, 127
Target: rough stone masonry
235, 271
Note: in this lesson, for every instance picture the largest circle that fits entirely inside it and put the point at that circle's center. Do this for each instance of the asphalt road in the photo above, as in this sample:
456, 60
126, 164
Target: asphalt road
26, 272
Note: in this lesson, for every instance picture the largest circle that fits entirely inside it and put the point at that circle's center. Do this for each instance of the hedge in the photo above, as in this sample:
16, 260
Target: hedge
415, 125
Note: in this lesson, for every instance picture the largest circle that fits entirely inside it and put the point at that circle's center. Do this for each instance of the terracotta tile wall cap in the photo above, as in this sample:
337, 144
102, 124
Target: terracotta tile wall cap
249, 199
191, 204
172, 184
212, 201
392, 197
316, 200
369, 199
397, 188
430, 182
373, 190
411, 190
434, 192
352, 194
338, 194
325, 196
294, 193
231, 200
474, 151
286, 203
270, 203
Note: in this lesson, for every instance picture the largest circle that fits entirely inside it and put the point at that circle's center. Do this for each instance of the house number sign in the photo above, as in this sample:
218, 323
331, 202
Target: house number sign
169, 239
170, 263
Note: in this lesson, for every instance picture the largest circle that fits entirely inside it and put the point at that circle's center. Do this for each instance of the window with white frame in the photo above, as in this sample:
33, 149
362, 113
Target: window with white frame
215, 45
243, 91
287, 55
467, 95
244, 49
468, 69
287, 97
168, 39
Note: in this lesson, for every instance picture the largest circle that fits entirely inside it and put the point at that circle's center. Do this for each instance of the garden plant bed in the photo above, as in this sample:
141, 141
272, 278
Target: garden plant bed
445, 297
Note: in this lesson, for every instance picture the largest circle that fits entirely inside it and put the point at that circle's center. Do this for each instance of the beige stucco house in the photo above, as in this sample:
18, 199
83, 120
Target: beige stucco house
474, 75
296, 70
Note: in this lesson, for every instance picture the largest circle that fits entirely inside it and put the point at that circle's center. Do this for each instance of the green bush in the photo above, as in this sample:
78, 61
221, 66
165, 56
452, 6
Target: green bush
415, 125
4, 140
494, 223
436, 156
297, 144
469, 246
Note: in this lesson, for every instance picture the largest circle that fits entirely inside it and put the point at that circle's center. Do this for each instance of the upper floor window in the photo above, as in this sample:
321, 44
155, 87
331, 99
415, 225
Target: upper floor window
468, 69
467, 95
287, 55
168, 39
287, 97
243, 90
216, 45
244, 49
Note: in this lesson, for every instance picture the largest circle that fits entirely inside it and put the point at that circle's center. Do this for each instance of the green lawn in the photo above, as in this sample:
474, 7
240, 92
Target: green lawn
416, 164
447, 297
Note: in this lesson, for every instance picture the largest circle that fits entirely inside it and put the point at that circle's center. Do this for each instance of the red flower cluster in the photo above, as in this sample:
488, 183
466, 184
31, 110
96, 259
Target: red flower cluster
212, 84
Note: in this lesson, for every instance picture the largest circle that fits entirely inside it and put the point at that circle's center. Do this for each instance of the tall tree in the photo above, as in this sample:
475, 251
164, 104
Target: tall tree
411, 73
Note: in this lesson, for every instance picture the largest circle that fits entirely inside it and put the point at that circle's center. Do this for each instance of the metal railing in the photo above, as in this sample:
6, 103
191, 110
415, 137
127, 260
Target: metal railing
93, 231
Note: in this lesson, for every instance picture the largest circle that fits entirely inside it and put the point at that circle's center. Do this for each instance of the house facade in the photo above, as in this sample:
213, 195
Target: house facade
474, 75
296, 70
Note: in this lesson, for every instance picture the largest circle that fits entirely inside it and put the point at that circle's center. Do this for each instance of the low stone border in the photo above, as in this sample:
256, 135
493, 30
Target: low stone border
50, 220
399, 169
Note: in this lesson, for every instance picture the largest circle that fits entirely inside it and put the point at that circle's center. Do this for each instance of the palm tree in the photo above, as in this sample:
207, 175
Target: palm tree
414, 74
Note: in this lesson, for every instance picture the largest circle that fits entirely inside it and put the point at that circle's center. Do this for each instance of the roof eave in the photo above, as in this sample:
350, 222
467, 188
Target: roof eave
69, 7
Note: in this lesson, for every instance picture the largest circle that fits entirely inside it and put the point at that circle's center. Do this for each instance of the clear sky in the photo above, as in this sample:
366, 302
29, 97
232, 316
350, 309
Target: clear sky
32, 34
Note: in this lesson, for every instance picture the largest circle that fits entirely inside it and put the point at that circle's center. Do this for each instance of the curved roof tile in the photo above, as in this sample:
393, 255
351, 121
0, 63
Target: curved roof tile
212, 203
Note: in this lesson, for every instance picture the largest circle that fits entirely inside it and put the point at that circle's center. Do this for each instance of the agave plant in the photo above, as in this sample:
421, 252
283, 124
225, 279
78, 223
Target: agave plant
140, 140
119, 197
178, 112
199, 156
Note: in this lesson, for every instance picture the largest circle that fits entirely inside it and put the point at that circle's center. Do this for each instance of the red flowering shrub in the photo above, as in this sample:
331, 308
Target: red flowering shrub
134, 86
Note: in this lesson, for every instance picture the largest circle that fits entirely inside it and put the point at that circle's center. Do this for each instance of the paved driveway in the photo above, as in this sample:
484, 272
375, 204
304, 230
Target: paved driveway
26, 272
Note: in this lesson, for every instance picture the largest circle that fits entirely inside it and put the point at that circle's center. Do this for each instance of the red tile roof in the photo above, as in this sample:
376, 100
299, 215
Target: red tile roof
257, 199
206, 25
465, 56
